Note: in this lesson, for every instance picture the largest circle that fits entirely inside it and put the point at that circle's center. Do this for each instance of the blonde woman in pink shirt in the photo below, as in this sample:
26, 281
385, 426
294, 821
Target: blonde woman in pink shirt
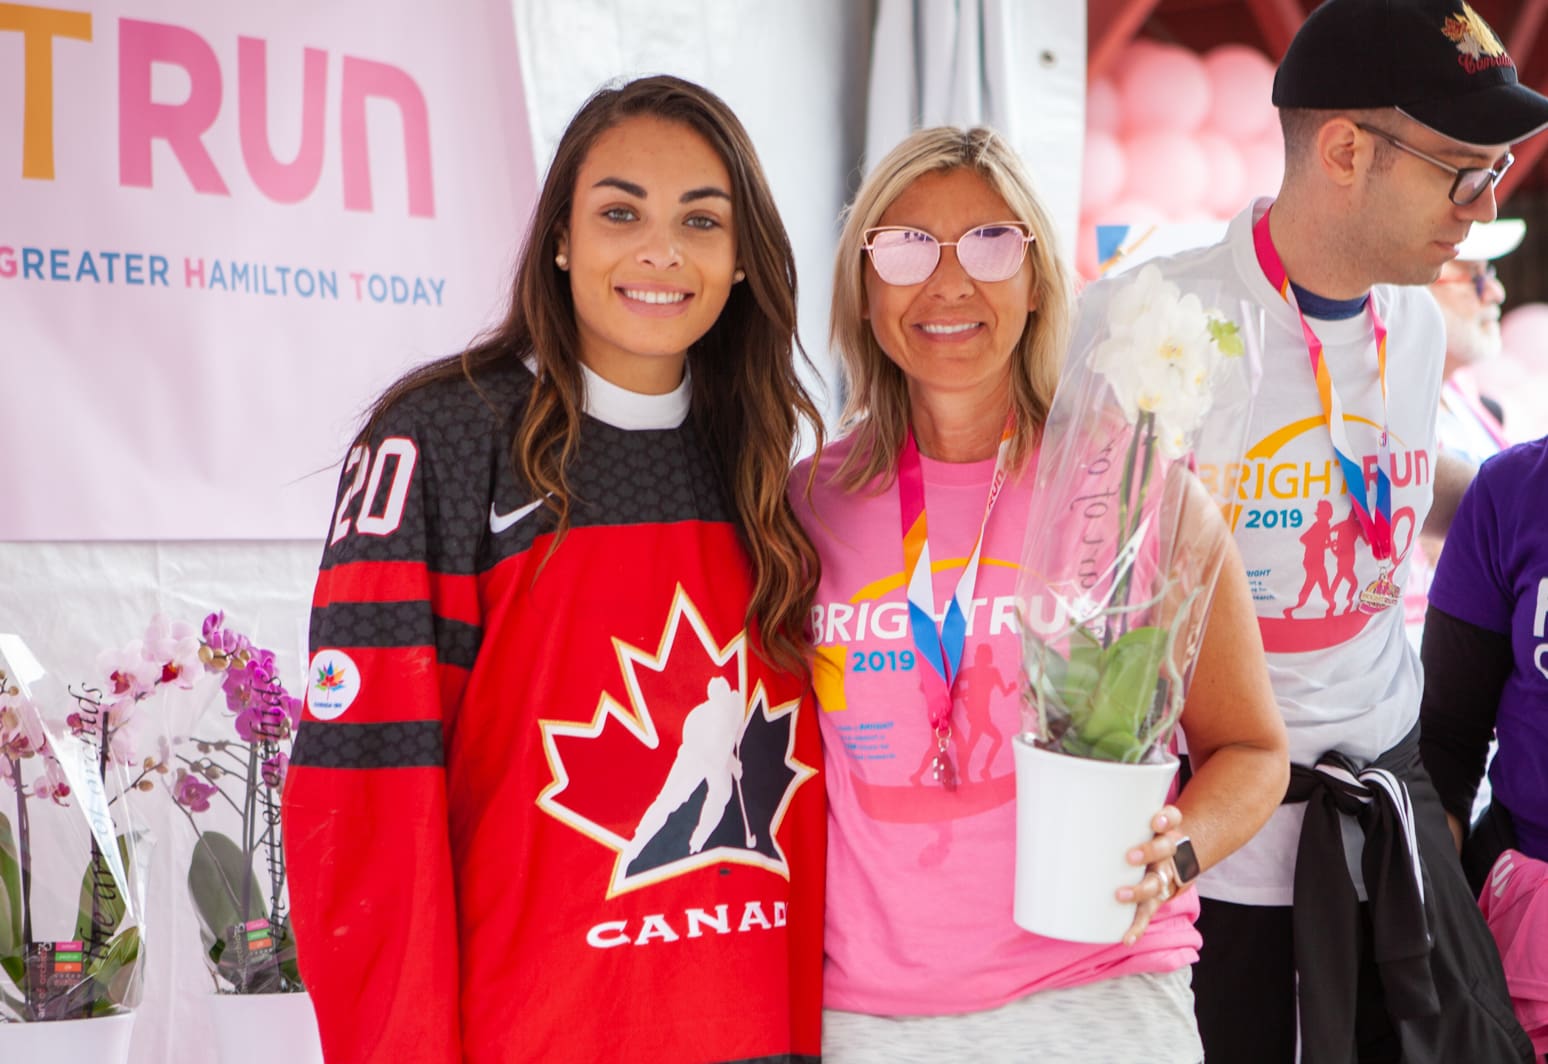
951, 309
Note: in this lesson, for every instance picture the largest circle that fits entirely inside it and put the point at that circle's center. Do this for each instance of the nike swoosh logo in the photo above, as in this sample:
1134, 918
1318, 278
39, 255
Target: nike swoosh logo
499, 522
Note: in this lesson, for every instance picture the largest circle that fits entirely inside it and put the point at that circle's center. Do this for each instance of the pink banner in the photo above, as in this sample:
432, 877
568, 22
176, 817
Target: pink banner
223, 229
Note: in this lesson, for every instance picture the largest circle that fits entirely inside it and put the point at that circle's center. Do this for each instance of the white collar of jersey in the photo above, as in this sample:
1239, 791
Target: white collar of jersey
624, 409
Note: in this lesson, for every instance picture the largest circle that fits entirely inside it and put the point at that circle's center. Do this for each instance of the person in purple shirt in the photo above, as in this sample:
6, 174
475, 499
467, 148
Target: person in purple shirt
1485, 657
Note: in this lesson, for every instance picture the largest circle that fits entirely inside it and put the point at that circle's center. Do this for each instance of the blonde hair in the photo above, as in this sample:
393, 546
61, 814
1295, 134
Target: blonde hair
876, 409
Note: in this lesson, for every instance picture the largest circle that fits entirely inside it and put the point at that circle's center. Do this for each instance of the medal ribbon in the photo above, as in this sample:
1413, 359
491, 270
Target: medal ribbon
1377, 525
940, 646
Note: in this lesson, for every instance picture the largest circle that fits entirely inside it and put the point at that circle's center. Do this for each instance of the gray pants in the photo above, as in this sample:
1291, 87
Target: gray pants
1122, 1020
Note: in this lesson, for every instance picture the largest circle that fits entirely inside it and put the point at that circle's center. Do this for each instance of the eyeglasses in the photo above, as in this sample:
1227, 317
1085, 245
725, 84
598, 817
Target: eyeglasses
1479, 275
904, 256
1469, 182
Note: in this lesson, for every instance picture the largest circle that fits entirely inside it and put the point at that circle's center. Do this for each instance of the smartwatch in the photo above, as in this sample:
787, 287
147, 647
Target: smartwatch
1186, 860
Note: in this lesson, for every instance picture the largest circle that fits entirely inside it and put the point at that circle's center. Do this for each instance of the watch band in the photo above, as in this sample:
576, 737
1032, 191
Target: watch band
1186, 860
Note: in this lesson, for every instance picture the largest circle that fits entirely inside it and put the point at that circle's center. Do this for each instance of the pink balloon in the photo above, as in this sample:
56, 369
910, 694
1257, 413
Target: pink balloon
1085, 249
1263, 161
1102, 172
1166, 168
1524, 336
1102, 106
1241, 81
1137, 47
1225, 189
1162, 87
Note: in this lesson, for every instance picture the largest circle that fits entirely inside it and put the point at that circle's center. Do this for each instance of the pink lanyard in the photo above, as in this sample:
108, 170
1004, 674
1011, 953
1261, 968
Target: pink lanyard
1376, 525
940, 646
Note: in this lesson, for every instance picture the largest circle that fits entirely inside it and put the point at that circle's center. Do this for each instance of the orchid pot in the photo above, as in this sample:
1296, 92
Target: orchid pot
287, 1021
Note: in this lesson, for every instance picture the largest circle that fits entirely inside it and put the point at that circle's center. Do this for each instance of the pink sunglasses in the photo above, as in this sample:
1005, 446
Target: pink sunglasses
988, 253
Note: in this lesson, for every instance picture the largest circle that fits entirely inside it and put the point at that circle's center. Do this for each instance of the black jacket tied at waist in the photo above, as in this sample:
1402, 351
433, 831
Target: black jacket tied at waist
1326, 916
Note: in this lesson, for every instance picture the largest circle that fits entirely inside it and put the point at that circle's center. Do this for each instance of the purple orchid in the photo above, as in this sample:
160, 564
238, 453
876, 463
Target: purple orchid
274, 770
192, 792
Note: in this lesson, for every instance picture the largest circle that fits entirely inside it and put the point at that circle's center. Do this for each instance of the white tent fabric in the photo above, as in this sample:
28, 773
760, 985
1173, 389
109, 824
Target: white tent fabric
1018, 66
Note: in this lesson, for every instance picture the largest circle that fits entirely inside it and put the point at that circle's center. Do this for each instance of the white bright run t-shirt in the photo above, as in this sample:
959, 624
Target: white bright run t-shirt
1343, 679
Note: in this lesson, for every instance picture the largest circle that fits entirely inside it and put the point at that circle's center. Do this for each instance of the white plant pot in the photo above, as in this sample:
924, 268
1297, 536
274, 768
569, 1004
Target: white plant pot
104, 1040
1076, 820
286, 1022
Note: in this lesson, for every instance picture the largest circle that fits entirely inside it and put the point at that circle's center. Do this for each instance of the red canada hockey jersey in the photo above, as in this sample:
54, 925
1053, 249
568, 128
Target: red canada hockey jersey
548, 807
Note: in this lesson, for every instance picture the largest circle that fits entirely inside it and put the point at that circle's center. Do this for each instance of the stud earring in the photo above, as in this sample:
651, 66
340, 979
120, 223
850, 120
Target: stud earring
562, 261
739, 276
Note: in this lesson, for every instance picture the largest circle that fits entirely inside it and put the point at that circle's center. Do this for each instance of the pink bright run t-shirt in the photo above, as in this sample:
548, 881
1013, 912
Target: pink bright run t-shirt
919, 878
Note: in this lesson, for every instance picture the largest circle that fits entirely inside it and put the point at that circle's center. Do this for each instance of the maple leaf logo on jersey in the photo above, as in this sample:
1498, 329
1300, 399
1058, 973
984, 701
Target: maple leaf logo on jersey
330, 677
695, 771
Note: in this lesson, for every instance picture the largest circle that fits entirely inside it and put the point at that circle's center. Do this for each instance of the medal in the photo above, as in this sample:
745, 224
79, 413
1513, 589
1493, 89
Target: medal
941, 769
1380, 594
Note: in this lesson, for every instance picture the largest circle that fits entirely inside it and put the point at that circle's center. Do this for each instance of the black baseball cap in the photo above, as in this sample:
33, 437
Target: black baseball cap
1437, 61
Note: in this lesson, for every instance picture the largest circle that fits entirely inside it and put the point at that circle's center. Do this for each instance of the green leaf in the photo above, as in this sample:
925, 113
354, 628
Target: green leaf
109, 897
1082, 673
1123, 698
115, 970
122, 950
10, 893
1227, 337
216, 875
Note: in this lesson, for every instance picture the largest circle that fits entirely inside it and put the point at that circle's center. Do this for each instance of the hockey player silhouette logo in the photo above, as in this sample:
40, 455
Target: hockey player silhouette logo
709, 754
695, 768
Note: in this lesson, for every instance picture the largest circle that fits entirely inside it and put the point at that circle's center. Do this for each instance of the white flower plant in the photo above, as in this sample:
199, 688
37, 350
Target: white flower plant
1123, 541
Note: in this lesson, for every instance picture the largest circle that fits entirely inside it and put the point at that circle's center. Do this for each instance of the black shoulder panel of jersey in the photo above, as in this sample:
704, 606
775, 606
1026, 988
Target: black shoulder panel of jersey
618, 477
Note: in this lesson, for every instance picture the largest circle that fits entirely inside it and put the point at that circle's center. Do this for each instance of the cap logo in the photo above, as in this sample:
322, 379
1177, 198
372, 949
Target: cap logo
1478, 47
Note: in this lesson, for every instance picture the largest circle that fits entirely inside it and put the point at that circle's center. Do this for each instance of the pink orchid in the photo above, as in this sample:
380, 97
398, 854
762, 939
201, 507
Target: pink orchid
129, 673
174, 646
20, 735
53, 786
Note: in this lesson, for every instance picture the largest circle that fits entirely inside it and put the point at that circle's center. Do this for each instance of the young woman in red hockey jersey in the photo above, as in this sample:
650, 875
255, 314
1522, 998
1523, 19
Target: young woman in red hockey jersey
553, 798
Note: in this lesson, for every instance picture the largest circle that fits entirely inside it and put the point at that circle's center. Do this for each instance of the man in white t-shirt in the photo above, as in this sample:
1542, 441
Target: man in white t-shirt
1344, 931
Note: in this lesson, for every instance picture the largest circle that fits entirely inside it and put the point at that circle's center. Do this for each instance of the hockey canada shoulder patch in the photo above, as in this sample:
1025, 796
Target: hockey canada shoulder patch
333, 682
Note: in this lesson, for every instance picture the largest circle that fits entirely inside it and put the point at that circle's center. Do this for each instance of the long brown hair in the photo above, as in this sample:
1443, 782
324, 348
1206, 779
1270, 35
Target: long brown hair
747, 400
877, 410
